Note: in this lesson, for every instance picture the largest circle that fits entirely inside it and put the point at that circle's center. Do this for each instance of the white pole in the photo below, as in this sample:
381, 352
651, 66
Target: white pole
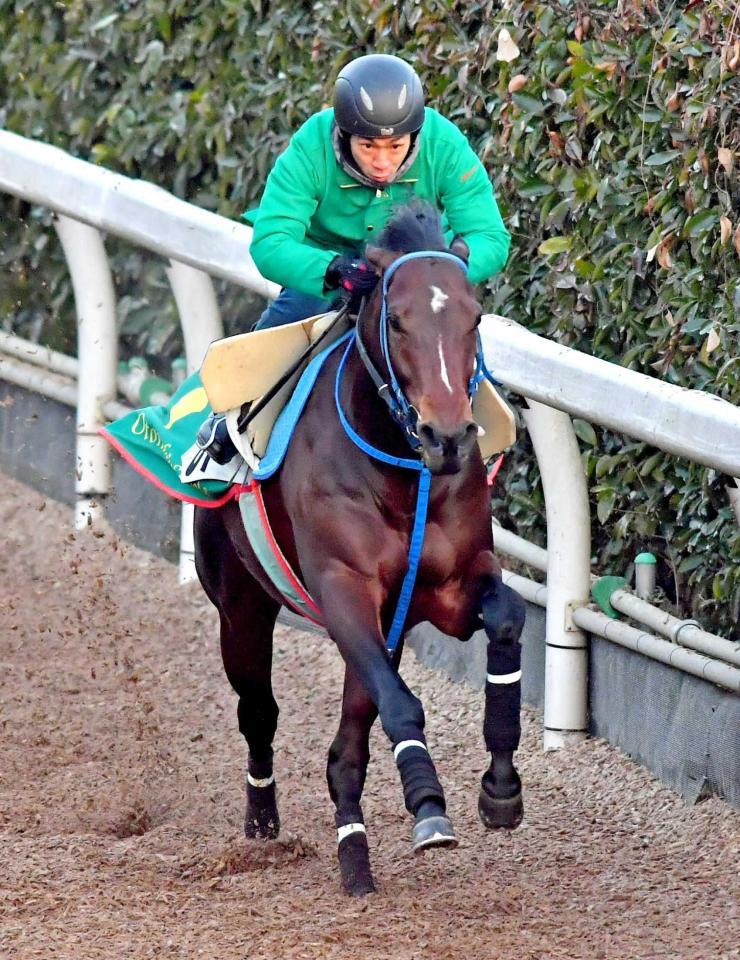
723, 674
38, 355
686, 633
568, 581
97, 356
201, 323
504, 541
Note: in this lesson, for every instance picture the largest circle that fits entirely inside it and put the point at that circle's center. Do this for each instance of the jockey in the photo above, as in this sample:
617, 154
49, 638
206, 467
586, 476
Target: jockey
335, 186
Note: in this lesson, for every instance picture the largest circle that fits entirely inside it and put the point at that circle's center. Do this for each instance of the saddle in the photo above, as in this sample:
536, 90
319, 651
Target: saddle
243, 368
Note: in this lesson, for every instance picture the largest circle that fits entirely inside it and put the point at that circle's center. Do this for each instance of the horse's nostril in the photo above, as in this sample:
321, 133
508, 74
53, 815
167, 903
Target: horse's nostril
429, 436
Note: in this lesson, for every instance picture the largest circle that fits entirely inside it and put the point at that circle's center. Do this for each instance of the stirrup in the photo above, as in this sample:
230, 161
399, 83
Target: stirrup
213, 438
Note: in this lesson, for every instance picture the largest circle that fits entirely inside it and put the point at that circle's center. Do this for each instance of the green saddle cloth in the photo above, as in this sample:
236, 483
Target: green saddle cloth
153, 440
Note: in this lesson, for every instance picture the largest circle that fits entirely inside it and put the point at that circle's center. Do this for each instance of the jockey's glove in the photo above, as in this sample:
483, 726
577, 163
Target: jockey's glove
351, 276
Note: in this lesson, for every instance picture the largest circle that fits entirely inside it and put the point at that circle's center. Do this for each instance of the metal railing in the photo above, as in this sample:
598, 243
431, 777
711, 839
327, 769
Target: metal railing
556, 380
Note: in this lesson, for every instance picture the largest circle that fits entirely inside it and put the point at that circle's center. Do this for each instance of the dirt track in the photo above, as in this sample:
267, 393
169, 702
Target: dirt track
121, 799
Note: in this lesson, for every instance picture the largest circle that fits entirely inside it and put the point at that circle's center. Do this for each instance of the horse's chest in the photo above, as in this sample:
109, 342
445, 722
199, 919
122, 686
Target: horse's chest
439, 556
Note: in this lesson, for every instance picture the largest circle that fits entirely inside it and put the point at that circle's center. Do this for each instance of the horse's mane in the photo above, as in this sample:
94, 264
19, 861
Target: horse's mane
414, 226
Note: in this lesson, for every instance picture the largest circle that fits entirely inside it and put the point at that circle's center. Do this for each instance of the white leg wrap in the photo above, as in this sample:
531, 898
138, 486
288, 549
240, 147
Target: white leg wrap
265, 782
504, 677
348, 829
408, 743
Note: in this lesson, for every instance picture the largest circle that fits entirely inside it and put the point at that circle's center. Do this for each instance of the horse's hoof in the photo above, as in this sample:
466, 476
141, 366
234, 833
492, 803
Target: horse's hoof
354, 864
262, 821
500, 812
433, 832
261, 828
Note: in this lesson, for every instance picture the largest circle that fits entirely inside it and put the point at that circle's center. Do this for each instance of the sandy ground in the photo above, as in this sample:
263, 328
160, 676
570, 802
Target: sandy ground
121, 798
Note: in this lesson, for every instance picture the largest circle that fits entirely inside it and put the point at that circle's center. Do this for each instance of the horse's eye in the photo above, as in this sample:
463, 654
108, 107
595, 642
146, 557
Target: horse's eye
394, 323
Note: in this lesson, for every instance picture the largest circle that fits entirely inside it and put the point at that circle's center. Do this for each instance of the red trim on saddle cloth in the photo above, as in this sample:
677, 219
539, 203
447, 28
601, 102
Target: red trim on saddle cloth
315, 616
494, 470
159, 484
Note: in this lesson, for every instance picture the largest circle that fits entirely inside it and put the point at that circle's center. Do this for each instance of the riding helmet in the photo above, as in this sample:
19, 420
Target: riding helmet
378, 96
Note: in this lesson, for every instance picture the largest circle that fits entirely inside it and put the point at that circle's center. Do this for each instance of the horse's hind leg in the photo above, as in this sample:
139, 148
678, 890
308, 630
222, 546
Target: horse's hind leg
500, 799
345, 772
247, 615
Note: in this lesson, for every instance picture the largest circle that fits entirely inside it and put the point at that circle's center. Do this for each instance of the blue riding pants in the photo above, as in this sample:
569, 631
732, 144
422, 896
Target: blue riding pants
290, 306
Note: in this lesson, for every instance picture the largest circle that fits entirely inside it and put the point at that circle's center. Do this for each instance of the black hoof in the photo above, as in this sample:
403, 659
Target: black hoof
261, 827
262, 821
433, 832
354, 865
500, 812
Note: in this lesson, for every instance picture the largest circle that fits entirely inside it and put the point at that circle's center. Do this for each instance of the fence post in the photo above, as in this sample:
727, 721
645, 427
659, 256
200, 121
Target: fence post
97, 350
201, 323
568, 567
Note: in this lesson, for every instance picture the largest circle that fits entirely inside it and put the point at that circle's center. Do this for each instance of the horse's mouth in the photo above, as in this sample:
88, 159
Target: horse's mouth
445, 453
440, 465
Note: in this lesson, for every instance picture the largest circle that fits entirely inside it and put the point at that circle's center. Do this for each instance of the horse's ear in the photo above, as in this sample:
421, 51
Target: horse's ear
379, 258
460, 248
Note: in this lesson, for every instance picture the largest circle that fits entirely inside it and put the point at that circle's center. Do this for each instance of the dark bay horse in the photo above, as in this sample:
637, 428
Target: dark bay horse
344, 521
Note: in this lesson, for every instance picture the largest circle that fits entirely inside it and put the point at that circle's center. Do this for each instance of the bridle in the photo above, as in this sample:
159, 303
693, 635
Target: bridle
389, 390
407, 417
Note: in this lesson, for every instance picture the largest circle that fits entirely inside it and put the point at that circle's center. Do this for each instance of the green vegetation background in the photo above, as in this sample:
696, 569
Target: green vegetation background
613, 139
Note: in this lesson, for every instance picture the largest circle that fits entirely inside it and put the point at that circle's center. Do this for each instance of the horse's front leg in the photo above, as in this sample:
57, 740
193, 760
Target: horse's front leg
345, 772
351, 608
503, 611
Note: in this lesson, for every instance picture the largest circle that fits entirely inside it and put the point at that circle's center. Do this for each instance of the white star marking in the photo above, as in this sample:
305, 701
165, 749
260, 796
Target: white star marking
439, 299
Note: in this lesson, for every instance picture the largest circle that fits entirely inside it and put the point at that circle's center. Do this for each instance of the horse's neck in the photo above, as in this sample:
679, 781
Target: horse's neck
369, 415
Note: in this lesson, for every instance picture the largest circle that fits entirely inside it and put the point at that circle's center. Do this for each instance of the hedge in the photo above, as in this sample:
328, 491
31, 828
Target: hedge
613, 138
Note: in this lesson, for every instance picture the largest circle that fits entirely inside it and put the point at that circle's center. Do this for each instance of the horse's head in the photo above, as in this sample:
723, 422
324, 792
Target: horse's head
431, 319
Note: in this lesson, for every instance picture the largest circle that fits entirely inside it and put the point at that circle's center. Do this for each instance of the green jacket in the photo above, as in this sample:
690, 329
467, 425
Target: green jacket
311, 209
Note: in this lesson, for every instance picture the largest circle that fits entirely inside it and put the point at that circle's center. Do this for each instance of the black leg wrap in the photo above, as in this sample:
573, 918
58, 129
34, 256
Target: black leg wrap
419, 779
501, 727
503, 614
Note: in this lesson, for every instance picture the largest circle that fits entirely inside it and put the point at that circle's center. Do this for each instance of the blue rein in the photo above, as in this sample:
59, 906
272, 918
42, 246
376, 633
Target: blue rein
406, 416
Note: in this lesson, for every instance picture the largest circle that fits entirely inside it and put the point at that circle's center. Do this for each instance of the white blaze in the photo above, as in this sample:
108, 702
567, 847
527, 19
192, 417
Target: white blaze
439, 299
443, 365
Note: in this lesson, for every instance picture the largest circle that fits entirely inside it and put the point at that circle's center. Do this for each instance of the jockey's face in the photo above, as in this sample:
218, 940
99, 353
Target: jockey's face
380, 157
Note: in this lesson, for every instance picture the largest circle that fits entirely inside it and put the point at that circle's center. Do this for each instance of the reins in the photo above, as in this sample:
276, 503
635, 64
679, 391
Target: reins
246, 416
406, 416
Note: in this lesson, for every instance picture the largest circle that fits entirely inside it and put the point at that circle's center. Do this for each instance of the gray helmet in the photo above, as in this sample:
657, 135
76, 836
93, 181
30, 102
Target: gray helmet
378, 96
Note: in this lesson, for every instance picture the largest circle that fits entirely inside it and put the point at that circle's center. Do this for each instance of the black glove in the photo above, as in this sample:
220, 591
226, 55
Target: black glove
352, 276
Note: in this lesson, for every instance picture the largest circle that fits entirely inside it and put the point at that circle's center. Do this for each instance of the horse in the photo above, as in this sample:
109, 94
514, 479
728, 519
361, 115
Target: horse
391, 414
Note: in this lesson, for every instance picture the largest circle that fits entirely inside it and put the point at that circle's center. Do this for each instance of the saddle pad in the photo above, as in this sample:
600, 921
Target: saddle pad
270, 556
290, 414
157, 440
497, 419
242, 368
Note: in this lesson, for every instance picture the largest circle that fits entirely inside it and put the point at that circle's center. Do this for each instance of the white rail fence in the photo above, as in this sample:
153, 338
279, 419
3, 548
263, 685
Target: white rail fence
558, 382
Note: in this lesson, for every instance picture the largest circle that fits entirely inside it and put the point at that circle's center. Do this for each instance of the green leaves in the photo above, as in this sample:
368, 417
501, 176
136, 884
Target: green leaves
661, 159
701, 223
555, 245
